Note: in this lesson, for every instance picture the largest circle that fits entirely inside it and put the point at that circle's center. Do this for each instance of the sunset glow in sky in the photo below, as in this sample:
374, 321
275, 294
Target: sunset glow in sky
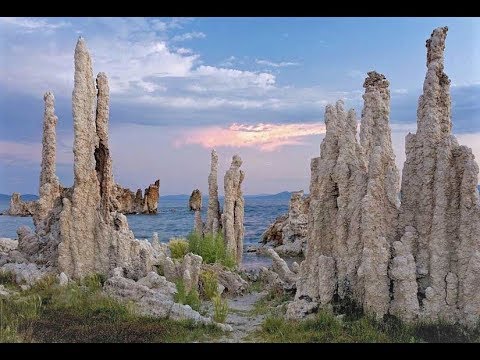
253, 86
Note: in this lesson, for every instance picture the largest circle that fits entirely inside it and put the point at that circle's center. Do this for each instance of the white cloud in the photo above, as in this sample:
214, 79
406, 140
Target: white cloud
356, 74
189, 36
400, 91
276, 64
159, 25
184, 51
144, 67
228, 62
32, 24
233, 78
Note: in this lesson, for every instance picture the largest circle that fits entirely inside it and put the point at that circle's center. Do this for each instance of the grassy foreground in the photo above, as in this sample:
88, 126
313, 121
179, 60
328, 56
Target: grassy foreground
80, 312
351, 327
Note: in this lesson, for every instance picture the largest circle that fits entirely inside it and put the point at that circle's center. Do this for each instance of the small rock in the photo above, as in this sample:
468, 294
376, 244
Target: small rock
63, 279
118, 271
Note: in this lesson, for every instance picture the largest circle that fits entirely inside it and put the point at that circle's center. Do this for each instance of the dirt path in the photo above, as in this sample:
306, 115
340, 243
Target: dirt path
240, 317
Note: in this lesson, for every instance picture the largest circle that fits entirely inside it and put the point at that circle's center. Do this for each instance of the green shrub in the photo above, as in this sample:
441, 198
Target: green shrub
209, 280
273, 324
187, 298
211, 248
7, 278
93, 282
178, 247
193, 300
220, 309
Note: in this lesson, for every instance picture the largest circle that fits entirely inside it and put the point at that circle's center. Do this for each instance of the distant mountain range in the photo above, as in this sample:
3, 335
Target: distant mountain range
24, 197
281, 195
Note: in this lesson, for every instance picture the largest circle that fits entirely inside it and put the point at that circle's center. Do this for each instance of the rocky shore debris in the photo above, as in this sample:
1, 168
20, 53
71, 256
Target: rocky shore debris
288, 233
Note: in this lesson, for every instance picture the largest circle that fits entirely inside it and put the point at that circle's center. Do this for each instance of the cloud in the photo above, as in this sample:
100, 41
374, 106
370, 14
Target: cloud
189, 36
184, 51
12, 152
400, 91
32, 24
356, 74
228, 62
225, 78
276, 64
266, 137
145, 67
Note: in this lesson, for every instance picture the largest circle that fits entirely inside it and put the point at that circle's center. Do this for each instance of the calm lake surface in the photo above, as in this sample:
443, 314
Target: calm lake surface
174, 219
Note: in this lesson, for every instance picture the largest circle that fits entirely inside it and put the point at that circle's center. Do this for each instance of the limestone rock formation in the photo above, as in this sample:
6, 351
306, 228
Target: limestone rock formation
403, 273
50, 188
154, 300
213, 223
353, 207
18, 207
440, 202
152, 193
336, 190
232, 282
280, 267
417, 261
26, 273
288, 234
84, 235
28, 241
187, 269
7, 245
128, 202
274, 234
195, 205
103, 160
233, 209
380, 203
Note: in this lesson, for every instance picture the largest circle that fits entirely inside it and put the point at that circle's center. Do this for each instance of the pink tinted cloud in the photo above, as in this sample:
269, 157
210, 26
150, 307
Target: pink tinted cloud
31, 153
267, 137
11, 152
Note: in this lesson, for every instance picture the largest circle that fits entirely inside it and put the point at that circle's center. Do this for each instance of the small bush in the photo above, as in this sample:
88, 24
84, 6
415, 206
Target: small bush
209, 281
220, 309
178, 247
182, 297
273, 324
93, 282
211, 248
7, 278
193, 300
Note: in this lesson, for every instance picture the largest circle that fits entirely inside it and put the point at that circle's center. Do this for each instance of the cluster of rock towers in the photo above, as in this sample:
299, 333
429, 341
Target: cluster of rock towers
415, 259
230, 222
78, 230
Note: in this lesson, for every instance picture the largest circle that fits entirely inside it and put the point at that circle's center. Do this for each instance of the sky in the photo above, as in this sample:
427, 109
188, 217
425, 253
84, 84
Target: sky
256, 87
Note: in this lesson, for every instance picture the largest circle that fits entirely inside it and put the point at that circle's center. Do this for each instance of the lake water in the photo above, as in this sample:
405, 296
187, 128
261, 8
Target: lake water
174, 219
